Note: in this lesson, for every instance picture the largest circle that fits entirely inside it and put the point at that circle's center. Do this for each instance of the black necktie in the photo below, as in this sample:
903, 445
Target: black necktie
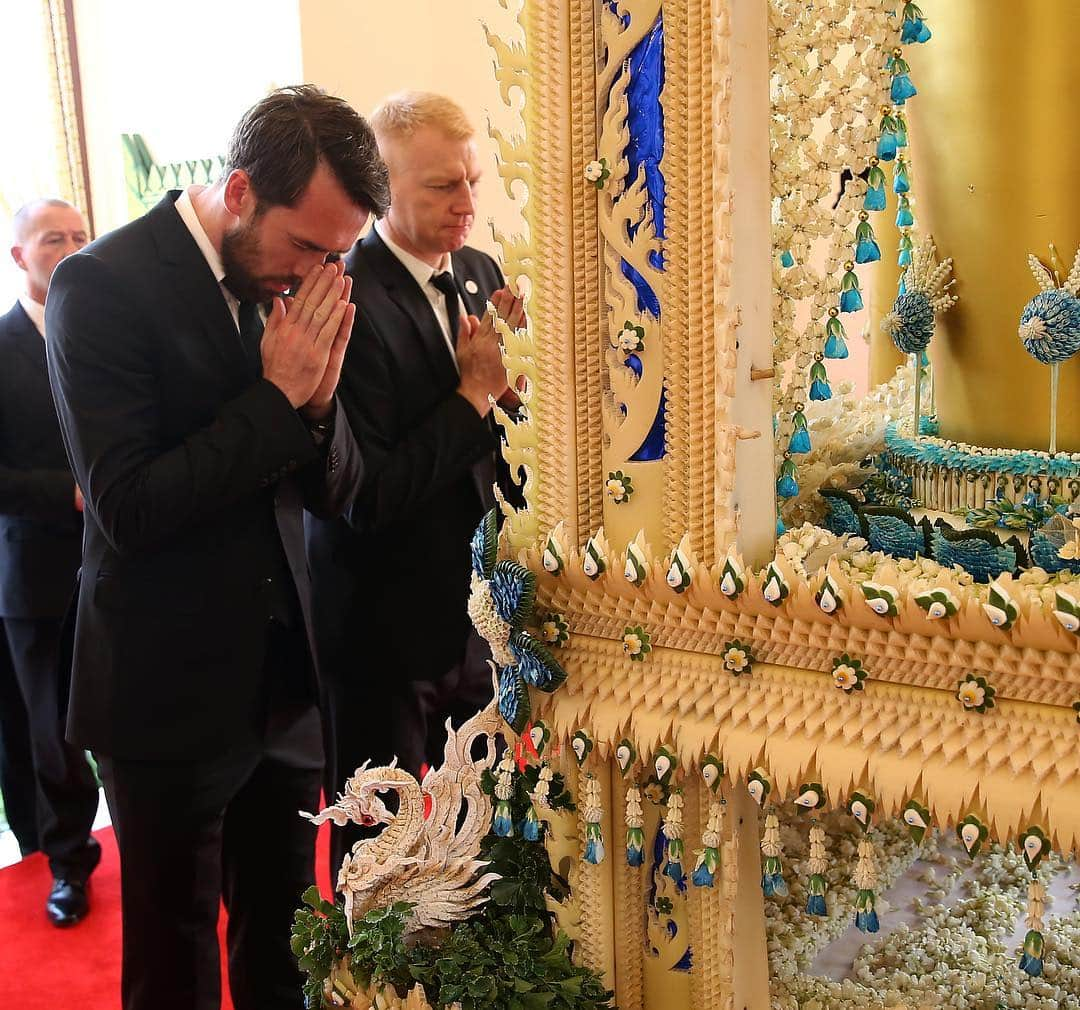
251, 331
445, 283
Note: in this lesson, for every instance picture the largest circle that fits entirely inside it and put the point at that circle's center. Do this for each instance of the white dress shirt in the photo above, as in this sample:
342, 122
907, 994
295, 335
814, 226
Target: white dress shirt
423, 273
186, 209
36, 312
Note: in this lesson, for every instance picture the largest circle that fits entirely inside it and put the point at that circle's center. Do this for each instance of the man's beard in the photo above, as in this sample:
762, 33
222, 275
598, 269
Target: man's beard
240, 250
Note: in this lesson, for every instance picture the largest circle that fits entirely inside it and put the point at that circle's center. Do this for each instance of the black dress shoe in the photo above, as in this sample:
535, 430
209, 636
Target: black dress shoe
67, 903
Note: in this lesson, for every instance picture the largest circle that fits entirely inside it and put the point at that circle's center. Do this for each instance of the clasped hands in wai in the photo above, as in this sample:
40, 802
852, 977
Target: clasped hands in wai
306, 335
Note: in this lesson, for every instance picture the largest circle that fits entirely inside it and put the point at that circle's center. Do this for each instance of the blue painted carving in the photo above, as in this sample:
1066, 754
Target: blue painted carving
843, 511
645, 150
1044, 554
653, 447
979, 552
893, 531
656, 871
646, 146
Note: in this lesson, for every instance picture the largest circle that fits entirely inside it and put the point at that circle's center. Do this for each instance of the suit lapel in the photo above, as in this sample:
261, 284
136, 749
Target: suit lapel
402, 288
474, 296
30, 343
199, 290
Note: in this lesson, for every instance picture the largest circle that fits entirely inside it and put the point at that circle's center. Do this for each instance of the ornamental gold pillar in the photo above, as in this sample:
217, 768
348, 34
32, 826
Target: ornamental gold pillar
995, 158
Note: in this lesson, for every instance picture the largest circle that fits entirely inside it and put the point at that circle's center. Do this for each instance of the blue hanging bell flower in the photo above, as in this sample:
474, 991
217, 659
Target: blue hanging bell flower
707, 864
875, 187
866, 248
673, 868
850, 295
530, 828
781, 529
835, 348
815, 896
914, 28
594, 844
866, 918
906, 249
786, 485
819, 380
874, 199
835, 337
886, 146
901, 177
1031, 960
800, 442
786, 259
772, 877
503, 824
635, 847
904, 217
901, 130
902, 89
800, 437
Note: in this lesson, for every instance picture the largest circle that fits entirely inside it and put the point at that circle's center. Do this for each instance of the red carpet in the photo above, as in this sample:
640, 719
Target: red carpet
44, 968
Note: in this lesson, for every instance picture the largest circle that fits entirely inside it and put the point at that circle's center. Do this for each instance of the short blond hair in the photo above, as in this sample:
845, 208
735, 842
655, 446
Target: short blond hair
402, 114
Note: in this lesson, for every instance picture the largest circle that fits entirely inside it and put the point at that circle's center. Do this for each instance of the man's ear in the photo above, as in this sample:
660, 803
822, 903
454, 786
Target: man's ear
238, 193
17, 256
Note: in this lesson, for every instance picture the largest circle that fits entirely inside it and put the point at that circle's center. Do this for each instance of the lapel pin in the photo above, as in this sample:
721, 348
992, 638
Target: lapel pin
471, 287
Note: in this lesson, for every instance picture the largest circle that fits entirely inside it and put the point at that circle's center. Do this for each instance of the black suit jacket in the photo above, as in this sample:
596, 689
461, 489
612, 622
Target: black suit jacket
196, 472
40, 529
392, 589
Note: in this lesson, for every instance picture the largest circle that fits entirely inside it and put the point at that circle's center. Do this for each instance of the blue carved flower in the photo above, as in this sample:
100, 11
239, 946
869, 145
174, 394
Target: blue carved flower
1050, 326
501, 602
911, 322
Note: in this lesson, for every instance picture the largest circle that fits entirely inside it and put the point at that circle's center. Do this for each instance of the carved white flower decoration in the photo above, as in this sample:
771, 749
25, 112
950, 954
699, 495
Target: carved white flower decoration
971, 694
616, 488
845, 677
631, 644
549, 632
736, 660
597, 172
630, 338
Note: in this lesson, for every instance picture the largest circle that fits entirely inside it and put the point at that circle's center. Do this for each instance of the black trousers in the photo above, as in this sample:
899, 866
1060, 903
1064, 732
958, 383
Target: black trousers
409, 723
17, 783
66, 790
193, 832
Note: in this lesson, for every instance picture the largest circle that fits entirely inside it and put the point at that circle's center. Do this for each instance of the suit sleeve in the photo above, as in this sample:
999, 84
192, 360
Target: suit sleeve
107, 390
331, 481
404, 469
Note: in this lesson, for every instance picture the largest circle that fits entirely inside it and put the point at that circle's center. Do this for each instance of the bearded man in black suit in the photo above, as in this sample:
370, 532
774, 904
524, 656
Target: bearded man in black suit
200, 425
419, 378
40, 549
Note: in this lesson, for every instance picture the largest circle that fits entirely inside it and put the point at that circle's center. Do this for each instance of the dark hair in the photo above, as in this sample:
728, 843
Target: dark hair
281, 139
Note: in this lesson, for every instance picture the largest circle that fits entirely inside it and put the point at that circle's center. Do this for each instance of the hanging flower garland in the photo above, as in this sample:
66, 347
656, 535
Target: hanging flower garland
816, 78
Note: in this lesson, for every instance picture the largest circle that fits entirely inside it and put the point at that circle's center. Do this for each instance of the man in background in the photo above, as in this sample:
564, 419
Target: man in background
391, 589
40, 549
200, 425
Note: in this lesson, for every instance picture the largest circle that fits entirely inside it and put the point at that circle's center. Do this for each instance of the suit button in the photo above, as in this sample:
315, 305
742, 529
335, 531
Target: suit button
268, 581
